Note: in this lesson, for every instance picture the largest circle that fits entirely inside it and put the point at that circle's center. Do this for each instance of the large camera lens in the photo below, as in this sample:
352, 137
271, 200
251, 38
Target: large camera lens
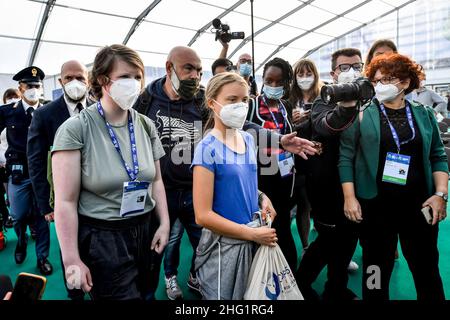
360, 90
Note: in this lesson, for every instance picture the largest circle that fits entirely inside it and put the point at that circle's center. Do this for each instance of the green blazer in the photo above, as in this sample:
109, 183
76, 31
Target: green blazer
360, 148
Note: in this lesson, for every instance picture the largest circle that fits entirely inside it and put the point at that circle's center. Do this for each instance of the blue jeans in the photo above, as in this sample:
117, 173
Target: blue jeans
22, 206
172, 251
181, 207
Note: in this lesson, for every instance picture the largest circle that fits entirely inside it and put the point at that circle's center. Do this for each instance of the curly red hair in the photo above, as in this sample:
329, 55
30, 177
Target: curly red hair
399, 66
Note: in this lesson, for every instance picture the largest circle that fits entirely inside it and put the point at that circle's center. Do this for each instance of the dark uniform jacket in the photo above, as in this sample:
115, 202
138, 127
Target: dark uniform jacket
45, 123
16, 121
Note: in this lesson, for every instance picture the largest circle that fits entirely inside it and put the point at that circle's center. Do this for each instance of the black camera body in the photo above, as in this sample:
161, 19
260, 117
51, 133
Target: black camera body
360, 89
223, 32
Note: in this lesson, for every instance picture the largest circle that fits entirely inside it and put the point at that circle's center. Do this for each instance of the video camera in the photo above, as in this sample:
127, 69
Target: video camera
223, 32
360, 90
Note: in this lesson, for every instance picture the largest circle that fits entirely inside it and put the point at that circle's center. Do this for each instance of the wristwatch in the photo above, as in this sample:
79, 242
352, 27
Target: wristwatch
442, 195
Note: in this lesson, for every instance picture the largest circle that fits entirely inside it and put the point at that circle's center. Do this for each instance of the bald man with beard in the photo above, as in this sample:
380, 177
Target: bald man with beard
45, 122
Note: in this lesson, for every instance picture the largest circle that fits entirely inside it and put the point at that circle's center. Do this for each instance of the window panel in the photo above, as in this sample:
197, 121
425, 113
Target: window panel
338, 27
279, 34
76, 26
131, 9
16, 57
184, 13
369, 11
268, 9
51, 56
158, 38
336, 7
29, 18
310, 41
308, 18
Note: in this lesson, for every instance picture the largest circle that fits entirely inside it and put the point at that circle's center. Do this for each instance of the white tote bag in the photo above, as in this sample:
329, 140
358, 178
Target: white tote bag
270, 277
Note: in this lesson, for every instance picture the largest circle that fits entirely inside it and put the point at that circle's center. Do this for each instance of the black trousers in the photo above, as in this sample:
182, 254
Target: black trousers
278, 190
333, 247
385, 220
118, 256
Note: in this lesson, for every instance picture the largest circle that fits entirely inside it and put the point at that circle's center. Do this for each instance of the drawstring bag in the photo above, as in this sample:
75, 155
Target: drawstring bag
270, 277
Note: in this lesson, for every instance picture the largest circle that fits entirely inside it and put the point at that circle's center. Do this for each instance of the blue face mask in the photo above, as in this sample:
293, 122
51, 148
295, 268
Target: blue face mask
245, 69
274, 93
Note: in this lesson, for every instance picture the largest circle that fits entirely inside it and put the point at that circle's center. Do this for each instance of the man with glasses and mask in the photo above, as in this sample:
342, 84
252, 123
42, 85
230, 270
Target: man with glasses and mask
337, 237
244, 66
45, 123
16, 117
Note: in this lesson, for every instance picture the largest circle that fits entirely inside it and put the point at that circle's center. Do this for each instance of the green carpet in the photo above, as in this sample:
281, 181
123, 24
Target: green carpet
402, 285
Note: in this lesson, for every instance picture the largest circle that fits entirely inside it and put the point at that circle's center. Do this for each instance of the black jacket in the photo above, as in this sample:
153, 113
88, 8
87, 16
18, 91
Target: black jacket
46, 121
323, 184
15, 120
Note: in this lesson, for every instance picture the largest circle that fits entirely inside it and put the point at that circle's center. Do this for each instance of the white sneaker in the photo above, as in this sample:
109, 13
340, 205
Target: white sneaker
172, 289
352, 266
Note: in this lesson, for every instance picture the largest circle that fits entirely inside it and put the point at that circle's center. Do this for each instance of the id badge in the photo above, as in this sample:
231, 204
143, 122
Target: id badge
396, 168
286, 164
133, 198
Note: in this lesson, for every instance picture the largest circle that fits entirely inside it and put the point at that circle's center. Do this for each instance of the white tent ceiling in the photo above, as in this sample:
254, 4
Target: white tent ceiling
48, 33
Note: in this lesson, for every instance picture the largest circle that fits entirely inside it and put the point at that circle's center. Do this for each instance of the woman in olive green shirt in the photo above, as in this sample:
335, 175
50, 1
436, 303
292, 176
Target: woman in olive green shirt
107, 181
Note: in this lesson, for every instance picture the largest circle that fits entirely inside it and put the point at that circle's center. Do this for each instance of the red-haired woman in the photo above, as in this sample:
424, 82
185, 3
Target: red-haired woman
392, 165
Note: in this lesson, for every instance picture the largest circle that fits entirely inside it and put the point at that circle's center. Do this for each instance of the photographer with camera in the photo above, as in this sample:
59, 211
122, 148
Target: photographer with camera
393, 165
337, 237
245, 62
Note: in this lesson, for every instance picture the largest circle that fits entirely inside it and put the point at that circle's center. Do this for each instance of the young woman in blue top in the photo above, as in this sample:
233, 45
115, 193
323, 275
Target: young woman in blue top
225, 193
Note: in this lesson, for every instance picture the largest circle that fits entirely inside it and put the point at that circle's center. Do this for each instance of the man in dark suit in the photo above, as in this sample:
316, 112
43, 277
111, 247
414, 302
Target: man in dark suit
16, 117
45, 123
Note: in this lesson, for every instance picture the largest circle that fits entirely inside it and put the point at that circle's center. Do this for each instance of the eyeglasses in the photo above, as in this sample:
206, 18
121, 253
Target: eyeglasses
231, 68
248, 61
385, 80
346, 66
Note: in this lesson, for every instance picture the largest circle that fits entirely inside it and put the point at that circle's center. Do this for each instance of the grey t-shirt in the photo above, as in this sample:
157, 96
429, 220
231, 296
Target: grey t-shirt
102, 170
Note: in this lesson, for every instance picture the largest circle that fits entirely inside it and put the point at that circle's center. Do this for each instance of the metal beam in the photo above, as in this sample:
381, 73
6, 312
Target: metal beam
284, 45
359, 27
249, 38
47, 11
139, 20
208, 25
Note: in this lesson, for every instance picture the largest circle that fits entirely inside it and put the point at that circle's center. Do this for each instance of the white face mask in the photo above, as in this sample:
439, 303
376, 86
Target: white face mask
125, 92
13, 100
76, 90
32, 94
305, 83
348, 76
386, 92
233, 115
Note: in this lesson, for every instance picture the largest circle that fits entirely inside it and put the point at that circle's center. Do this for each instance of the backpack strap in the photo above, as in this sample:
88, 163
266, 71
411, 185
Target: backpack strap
142, 104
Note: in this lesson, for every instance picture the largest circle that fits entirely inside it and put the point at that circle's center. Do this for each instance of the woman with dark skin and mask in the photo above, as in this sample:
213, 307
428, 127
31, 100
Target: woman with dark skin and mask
276, 167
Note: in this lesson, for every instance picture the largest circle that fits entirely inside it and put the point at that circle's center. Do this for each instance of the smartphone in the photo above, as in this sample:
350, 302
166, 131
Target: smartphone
28, 287
426, 211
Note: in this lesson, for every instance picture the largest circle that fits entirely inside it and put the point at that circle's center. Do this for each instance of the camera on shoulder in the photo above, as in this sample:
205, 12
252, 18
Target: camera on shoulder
223, 32
358, 90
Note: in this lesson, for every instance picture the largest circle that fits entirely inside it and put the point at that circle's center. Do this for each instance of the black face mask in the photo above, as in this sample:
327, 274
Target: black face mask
186, 88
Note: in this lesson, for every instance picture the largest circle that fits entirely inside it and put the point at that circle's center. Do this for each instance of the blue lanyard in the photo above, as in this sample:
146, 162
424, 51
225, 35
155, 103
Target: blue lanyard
283, 113
394, 132
132, 174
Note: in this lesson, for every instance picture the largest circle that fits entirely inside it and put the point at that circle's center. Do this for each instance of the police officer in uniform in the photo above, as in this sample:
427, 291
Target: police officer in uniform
16, 117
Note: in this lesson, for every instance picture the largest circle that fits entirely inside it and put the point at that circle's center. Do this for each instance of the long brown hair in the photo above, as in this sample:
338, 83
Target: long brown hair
104, 64
215, 85
296, 91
